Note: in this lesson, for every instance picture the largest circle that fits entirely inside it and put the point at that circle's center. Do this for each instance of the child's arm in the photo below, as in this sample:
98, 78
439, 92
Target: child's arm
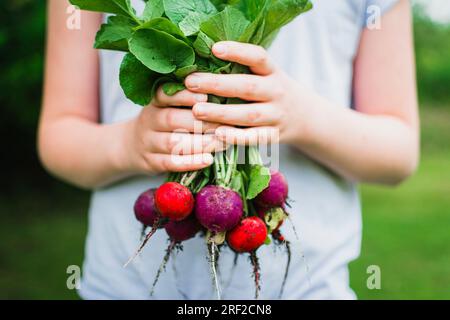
377, 143
73, 146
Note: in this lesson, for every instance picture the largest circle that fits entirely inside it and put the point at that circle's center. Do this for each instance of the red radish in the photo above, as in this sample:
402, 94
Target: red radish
275, 194
248, 235
174, 201
180, 231
218, 209
145, 209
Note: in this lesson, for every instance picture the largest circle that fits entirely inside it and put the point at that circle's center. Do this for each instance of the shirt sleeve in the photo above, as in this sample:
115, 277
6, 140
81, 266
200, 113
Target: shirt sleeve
376, 6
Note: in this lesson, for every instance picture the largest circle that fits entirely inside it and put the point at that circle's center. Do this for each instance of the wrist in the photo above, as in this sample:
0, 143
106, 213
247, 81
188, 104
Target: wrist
312, 119
122, 153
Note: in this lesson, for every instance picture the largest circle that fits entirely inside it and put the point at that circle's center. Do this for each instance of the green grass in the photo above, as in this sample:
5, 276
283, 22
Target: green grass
407, 229
42, 234
406, 232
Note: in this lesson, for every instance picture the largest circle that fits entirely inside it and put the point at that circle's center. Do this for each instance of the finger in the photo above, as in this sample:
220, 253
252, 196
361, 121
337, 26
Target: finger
254, 114
244, 86
183, 163
184, 144
250, 55
248, 136
179, 99
172, 119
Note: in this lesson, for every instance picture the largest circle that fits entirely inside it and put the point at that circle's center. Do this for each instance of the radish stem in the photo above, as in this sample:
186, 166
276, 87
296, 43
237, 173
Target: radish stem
212, 259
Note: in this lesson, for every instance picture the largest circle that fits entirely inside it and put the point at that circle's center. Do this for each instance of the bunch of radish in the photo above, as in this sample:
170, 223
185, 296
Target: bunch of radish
240, 206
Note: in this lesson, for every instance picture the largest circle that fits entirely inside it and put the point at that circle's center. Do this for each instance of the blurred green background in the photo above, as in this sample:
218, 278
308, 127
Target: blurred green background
43, 222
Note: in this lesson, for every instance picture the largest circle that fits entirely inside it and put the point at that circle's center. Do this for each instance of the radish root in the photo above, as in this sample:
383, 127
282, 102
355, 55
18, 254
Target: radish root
143, 232
256, 273
154, 228
279, 238
163, 265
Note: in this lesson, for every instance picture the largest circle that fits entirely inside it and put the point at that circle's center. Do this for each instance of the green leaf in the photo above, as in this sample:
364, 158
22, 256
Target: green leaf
257, 36
136, 80
267, 241
203, 45
220, 4
185, 71
190, 25
259, 180
237, 183
171, 88
202, 64
160, 82
218, 238
225, 69
160, 51
153, 9
177, 10
228, 24
274, 217
280, 13
254, 11
114, 34
122, 7
165, 25
216, 99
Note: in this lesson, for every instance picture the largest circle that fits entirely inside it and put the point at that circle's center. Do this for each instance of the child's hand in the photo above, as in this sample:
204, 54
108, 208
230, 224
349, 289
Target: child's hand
278, 109
162, 138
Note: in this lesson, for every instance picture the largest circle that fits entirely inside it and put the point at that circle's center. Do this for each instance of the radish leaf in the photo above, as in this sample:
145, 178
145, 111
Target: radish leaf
153, 9
160, 51
259, 180
185, 71
114, 34
122, 7
137, 80
228, 24
203, 45
165, 25
190, 25
177, 10
279, 14
171, 88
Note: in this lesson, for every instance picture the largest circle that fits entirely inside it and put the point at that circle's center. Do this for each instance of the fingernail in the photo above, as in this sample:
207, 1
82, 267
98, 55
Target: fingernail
201, 97
192, 82
220, 132
219, 49
208, 159
199, 110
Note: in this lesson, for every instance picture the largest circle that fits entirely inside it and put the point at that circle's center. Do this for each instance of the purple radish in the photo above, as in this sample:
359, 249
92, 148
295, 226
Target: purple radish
275, 194
146, 212
218, 209
183, 230
145, 208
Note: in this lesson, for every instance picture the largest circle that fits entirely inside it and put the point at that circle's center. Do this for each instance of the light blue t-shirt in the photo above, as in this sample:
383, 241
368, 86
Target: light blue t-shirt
317, 49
